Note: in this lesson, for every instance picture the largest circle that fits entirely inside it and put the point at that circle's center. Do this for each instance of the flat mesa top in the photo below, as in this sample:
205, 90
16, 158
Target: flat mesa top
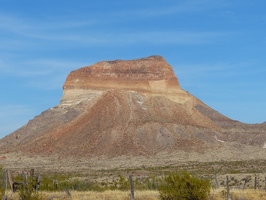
144, 74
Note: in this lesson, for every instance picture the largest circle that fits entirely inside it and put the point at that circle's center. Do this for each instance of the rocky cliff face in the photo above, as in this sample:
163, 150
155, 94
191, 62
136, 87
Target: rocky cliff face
151, 75
133, 107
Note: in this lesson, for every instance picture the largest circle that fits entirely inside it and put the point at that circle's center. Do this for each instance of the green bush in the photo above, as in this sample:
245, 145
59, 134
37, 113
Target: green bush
28, 192
183, 186
123, 183
67, 182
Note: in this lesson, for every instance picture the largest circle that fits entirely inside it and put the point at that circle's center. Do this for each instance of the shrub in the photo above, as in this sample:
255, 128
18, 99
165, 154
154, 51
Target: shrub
183, 186
123, 183
27, 191
27, 188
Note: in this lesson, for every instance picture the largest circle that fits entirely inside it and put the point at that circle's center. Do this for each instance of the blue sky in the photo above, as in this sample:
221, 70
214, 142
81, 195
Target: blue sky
216, 49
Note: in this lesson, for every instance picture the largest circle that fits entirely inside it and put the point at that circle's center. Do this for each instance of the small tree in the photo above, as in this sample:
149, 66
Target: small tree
183, 186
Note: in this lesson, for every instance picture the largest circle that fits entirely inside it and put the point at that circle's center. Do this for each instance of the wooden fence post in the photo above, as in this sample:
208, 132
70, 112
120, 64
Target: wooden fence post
67, 192
244, 186
38, 182
10, 180
255, 183
227, 188
216, 181
31, 174
6, 178
265, 183
55, 182
131, 187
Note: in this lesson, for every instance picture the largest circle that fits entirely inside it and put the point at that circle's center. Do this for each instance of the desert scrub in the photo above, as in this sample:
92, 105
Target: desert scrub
183, 186
28, 190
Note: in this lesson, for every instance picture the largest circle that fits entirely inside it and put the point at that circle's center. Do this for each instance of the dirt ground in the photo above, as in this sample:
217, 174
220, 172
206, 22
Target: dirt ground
240, 166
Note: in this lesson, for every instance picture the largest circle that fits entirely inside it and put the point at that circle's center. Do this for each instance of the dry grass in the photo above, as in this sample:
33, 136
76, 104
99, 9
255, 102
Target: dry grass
143, 195
91, 195
116, 195
248, 194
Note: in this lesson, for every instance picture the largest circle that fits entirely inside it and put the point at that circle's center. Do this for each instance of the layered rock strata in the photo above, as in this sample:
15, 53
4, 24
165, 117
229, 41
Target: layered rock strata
151, 75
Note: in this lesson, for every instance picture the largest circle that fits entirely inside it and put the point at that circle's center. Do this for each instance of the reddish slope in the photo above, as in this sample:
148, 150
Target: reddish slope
122, 122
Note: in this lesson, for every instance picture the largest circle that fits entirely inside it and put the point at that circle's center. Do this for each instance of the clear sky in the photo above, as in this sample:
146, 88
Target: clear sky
216, 48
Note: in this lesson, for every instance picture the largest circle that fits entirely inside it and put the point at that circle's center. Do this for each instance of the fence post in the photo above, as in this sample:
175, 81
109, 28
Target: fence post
10, 180
265, 183
255, 183
244, 186
31, 174
6, 178
131, 187
227, 188
55, 182
216, 181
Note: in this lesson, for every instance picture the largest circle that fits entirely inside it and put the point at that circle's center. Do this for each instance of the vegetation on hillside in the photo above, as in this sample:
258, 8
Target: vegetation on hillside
183, 186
